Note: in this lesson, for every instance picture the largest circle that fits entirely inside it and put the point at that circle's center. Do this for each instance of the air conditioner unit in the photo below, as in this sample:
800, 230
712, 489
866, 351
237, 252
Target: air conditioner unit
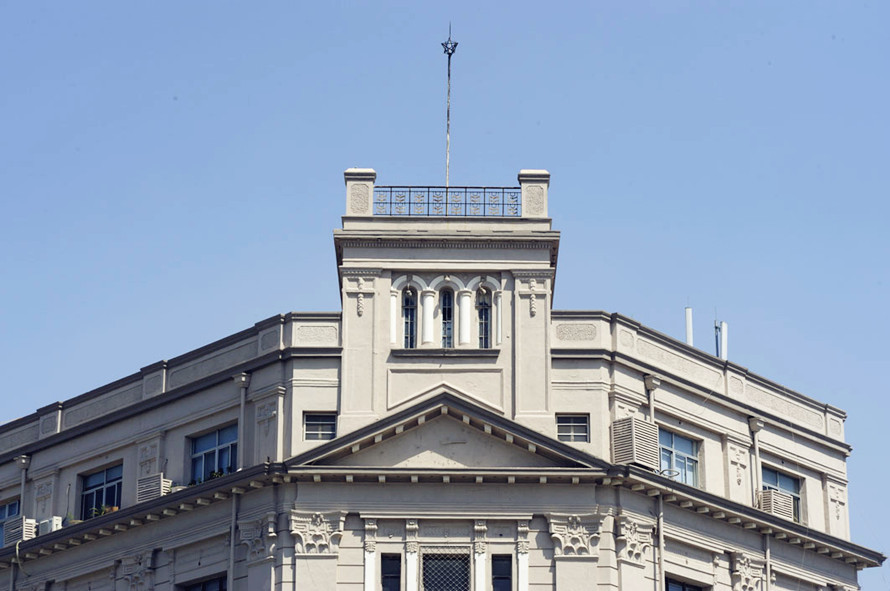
776, 502
18, 529
635, 441
49, 525
152, 486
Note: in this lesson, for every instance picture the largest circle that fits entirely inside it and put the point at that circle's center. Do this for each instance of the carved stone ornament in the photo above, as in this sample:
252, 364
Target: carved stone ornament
136, 572
148, 458
412, 528
43, 493
370, 535
575, 535
358, 199
535, 198
636, 538
258, 535
480, 547
317, 533
738, 459
747, 573
522, 544
533, 300
265, 414
837, 496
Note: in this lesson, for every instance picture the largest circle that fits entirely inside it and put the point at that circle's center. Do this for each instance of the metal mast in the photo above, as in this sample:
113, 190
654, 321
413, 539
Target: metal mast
449, 47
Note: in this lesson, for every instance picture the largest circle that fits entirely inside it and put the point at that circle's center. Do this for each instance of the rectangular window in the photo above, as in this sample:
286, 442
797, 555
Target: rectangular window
446, 571
214, 454
501, 572
217, 584
575, 428
679, 457
446, 306
775, 480
7, 510
319, 426
678, 586
390, 572
101, 491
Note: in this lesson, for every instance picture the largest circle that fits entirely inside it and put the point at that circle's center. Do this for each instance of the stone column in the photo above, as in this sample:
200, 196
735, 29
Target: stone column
575, 550
480, 554
412, 556
317, 545
427, 307
370, 554
394, 317
260, 537
522, 547
464, 309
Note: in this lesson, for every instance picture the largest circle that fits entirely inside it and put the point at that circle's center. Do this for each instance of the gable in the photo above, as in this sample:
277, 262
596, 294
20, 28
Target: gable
445, 442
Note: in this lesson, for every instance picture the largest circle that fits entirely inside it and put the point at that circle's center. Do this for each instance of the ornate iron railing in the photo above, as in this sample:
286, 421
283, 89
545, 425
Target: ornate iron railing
450, 202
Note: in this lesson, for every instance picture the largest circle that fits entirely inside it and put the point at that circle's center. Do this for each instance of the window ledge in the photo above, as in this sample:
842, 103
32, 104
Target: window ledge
445, 352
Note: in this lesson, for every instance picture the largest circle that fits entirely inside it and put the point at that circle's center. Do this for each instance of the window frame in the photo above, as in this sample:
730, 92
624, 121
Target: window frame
687, 457
4, 511
320, 433
221, 580
99, 504
570, 420
796, 496
483, 316
392, 577
675, 585
446, 316
231, 447
409, 317
502, 578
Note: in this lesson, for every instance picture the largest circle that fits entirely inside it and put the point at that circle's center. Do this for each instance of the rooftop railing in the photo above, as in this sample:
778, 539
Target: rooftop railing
448, 202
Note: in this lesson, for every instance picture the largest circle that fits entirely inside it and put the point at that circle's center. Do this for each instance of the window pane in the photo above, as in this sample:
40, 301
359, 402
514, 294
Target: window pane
204, 442
93, 480
789, 484
665, 438
228, 434
225, 461
770, 477
666, 460
501, 565
682, 444
114, 473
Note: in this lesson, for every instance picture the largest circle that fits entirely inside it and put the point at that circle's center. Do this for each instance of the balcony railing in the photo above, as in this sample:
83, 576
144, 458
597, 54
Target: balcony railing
450, 202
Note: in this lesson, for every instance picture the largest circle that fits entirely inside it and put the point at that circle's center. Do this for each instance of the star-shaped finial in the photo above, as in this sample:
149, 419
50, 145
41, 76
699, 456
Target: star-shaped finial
449, 46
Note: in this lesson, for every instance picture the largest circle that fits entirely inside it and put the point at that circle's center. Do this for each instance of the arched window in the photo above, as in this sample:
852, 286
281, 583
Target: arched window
409, 317
483, 308
446, 305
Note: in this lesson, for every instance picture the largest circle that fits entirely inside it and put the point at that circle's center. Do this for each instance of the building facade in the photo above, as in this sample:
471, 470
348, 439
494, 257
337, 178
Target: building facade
447, 430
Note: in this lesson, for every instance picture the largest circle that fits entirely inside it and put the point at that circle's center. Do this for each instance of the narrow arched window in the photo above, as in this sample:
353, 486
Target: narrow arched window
483, 309
409, 317
446, 306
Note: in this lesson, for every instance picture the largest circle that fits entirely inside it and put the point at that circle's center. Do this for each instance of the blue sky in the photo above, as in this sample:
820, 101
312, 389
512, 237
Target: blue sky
170, 173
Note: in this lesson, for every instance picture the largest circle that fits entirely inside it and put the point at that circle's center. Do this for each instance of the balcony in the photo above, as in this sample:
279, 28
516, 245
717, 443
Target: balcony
415, 201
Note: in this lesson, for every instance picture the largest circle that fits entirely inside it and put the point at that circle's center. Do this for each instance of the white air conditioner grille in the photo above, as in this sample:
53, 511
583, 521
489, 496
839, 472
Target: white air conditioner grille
152, 486
778, 503
49, 525
635, 441
18, 529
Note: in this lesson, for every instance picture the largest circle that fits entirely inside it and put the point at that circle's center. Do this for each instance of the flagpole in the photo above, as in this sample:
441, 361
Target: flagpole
449, 47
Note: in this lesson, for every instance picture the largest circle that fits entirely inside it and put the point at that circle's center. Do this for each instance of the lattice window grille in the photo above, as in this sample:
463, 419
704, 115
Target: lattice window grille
445, 568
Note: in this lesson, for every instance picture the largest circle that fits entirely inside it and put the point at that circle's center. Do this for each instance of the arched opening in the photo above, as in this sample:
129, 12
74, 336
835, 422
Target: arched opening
446, 307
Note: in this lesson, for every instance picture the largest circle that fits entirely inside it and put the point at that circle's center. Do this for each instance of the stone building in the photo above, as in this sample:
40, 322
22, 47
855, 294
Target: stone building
447, 430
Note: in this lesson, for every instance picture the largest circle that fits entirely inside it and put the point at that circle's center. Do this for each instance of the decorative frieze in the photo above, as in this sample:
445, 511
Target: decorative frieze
317, 533
746, 572
575, 535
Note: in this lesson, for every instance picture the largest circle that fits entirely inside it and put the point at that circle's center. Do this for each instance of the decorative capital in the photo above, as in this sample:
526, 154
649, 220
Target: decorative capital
575, 535
746, 573
317, 533
636, 537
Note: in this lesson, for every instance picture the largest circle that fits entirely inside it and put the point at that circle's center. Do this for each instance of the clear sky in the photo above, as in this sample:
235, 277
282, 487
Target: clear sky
170, 173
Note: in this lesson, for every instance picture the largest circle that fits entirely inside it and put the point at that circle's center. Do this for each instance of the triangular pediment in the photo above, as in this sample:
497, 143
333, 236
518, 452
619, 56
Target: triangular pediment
446, 433
446, 442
